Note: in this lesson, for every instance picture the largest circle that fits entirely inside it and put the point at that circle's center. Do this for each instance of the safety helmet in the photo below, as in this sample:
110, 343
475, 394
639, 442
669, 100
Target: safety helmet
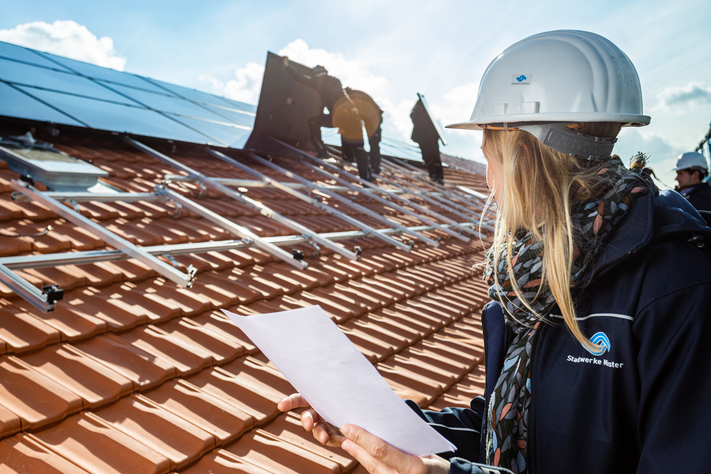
549, 80
691, 161
319, 71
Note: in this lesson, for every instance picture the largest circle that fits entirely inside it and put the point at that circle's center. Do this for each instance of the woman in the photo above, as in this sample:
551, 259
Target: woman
596, 352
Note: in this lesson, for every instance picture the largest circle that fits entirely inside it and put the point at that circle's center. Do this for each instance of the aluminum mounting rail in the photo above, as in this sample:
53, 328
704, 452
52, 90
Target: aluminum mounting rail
112, 239
311, 186
434, 243
443, 203
374, 188
237, 229
109, 255
417, 175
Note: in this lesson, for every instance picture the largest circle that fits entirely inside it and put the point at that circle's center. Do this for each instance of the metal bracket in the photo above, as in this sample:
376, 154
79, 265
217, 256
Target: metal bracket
73, 203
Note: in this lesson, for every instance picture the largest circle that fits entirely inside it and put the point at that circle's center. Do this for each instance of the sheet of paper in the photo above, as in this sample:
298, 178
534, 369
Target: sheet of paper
337, 380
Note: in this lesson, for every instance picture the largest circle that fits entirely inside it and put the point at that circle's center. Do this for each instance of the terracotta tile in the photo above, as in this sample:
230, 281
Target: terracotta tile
220, 419
99, 210
421, 352
96, 446
251, 396
324, 278
412, 317
59, 276
461, 394
385, 286
24, 455
373, 348
11, 246
96, 384
217, 261
288, 428
23, 332
186, 358
448, 310
408, 287
255, 281
246, 257
253, 369
396, 341
133, 231
9, 210
94, 274
140, 367
35, 399
402, 327
335, 308
71, 320
269, 452
220, 324
108, 306
160, 430
223, 462
257, 307
34, 211
131, 270
326, 265
9, 424
403, 363
221, 349
146, 300
51, 242
471, 350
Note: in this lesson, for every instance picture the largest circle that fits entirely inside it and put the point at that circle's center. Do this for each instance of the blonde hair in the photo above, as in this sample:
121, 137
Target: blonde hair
538, 185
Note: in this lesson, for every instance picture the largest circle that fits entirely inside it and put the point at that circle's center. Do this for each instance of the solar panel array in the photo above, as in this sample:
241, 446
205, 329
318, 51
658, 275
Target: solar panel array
40, 86
49, 88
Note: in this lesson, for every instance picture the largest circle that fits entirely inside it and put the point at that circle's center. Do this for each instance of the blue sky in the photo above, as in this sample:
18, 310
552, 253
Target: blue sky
391, 49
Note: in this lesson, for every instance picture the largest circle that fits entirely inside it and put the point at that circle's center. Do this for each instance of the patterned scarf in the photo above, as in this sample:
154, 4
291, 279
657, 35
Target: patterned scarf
594, 220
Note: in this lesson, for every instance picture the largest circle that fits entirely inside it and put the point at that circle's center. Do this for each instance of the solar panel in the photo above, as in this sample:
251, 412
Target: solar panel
18, 53
39, 77
16, 103
48, 88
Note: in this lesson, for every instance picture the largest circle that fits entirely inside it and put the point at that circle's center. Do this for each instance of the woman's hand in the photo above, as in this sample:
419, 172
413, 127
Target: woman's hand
378, 457
325, 433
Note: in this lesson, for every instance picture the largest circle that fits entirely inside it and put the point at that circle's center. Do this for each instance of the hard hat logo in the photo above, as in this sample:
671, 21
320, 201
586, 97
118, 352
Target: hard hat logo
522, 79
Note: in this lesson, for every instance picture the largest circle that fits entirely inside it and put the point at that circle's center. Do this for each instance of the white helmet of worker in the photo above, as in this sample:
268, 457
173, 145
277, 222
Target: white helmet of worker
550, 80
691, 161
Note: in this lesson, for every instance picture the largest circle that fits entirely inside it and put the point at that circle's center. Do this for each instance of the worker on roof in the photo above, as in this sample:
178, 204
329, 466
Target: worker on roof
372, 117
691, 170
427, 137
597, 355
343, 115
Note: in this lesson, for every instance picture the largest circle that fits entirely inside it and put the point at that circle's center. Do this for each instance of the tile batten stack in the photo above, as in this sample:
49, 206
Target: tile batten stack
132, 371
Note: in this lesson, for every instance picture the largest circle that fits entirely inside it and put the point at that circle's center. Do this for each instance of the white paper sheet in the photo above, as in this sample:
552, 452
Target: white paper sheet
337, 380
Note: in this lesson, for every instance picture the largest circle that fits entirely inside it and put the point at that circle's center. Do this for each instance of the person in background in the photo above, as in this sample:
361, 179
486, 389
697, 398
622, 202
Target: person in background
343, 115
372, 117
691, 169
597, 356
426, 136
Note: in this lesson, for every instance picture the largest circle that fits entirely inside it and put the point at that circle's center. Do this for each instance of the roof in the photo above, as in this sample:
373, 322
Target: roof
134, 373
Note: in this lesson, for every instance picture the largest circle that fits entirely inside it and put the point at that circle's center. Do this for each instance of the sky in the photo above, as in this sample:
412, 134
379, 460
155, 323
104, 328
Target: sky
391, 49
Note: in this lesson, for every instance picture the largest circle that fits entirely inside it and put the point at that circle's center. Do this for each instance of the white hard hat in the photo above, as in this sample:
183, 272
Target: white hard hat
559, 77
691, 160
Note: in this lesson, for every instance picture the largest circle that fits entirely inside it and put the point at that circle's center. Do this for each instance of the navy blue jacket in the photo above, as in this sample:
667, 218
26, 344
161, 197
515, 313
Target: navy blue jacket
644, 405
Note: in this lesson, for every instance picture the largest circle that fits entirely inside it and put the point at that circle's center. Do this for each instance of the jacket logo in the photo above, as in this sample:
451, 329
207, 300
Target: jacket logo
601, 340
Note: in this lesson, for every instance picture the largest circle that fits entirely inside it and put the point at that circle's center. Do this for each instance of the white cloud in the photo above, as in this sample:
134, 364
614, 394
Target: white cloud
457, 105
244, 89
352, 73
68, 39
678, 99
248, 82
